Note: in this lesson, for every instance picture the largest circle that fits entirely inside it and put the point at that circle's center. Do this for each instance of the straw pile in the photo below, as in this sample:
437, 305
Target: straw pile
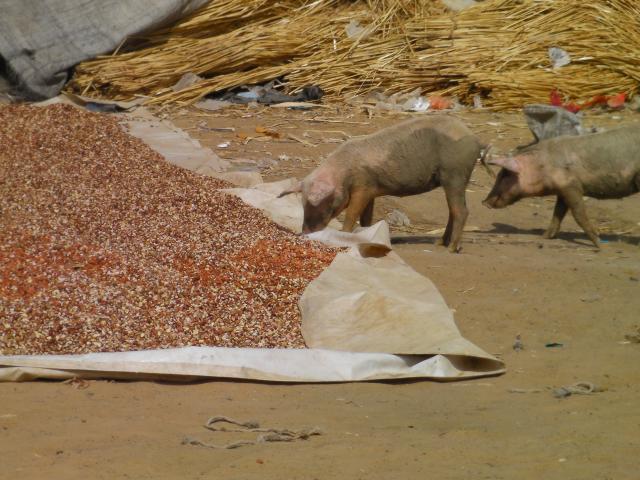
498, 49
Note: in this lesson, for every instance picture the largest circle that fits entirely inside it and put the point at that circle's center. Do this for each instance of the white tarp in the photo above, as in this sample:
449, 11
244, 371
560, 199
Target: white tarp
363, 310
278, 365
391, 308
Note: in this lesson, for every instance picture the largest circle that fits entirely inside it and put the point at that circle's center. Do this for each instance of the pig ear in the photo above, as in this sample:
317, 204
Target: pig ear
510, 163
296, 189
320, 191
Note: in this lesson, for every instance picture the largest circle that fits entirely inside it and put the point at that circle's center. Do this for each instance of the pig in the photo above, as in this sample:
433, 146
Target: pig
597, 165
409, 158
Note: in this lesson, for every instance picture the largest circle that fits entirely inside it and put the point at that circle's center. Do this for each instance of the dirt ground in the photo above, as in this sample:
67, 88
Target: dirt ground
507, 281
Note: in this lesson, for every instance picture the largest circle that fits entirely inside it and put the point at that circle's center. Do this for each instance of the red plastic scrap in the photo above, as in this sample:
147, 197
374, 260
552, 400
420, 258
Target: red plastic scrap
614, 101
440, 103
597, 100
572, 107
617, 101
555, 98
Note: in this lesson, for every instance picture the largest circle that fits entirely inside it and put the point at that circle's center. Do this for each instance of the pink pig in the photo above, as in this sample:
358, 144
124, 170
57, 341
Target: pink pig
412, 157
598, 165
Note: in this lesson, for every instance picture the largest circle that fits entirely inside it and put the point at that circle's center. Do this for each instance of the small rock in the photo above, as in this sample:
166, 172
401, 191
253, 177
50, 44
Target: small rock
398, 219
633, 337
518, 345
590, 298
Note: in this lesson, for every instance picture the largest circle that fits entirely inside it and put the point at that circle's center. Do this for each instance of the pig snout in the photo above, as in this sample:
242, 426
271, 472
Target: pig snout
316, 218
312, 224
488, 202
495, 201
493, 198
505, 191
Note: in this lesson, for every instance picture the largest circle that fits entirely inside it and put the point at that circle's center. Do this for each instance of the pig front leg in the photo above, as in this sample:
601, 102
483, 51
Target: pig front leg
359, 201
573, 199
367, 216
559, 211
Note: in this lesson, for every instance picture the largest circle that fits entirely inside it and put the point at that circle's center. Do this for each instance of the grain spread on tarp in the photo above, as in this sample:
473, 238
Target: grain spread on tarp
104, 246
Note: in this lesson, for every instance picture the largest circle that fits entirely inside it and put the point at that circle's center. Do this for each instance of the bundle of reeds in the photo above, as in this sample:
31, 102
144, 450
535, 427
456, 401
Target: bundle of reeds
247, 35
256, 41
498, 49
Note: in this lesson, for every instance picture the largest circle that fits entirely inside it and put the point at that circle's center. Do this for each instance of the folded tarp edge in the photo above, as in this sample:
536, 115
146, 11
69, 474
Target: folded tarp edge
278, 365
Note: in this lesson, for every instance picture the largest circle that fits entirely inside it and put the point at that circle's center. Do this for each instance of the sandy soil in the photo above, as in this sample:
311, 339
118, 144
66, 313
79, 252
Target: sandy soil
507, 281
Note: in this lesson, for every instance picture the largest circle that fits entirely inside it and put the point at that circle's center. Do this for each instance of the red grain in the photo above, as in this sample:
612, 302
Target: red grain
104, 246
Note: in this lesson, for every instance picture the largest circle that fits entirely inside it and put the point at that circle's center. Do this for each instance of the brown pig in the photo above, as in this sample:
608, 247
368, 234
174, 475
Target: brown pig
598, 165
412, 157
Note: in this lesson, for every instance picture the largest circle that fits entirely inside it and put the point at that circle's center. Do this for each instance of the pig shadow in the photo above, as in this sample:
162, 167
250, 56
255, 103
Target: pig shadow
578, 238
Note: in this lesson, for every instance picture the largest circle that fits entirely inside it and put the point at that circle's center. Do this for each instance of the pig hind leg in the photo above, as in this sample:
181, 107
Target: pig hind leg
454, 190
359, 202
445, 240
367, 215
559, 211
573, 199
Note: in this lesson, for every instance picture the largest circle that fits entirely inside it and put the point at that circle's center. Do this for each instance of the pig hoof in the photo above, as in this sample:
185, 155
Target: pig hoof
455, 249
549, 234
444, 242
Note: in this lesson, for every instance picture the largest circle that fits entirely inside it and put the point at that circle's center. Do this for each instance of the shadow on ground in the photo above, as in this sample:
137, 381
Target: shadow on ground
579, 238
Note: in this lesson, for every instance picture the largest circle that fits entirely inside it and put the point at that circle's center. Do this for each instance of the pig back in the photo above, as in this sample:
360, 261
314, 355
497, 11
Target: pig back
418, 152
408, 158
606, 164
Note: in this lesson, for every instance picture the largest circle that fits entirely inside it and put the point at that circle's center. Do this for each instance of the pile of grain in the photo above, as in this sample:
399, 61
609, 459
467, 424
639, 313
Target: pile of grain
497, 49
104, 246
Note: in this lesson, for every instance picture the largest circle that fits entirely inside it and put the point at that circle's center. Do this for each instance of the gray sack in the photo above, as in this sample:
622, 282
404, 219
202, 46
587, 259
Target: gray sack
41, 40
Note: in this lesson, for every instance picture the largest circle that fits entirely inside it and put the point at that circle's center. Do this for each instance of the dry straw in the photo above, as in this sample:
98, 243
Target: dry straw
498, 49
